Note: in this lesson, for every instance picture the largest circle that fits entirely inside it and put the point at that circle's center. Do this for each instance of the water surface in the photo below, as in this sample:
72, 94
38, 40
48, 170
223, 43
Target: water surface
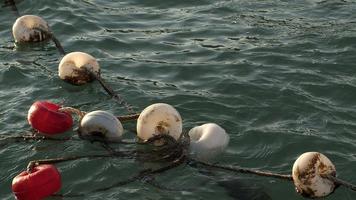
279, 76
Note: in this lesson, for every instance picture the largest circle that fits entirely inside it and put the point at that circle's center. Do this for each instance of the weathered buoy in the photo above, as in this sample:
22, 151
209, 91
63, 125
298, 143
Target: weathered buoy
101, 123
207, 141
159, 118
30, 28
71, 68
307, 171
45, 117
43, 181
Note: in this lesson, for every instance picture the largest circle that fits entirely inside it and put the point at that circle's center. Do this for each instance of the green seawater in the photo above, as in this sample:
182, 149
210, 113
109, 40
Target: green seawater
278, 76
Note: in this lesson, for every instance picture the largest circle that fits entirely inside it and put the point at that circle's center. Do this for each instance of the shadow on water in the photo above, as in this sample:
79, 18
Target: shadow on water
242, 189
236, 188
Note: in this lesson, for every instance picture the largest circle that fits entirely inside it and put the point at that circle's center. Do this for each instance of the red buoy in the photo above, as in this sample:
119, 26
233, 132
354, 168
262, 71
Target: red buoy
45, 117
43, 181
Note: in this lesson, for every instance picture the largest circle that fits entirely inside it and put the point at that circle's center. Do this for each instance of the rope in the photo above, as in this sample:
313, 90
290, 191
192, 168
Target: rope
73, 111
339, 181
111, 92
54, 39
35, 163
61, 50
131, 117
246, 170
123, 118
32, 137
144, 173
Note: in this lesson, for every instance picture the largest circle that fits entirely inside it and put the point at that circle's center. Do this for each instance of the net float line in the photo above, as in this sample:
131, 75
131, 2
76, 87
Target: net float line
245, 170
81, 114
31, 28
33, 137
121, 154
111, 92
34, 163
313, 175
145, 173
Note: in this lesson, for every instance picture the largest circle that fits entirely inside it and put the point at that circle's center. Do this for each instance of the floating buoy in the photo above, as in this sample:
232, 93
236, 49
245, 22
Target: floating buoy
71, 68
41, 182
207, 141
307, 171
30, 28
159, 118
101, 123
45, 117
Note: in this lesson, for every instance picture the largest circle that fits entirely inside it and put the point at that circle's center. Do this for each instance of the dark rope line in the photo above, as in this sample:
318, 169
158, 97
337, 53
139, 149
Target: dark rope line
58, 45
67, 195
131, 117
111, 92
12, 4
81, 114
339, 181
246, 170
101, 139
34, 163
144, 173
32, 137
54, 39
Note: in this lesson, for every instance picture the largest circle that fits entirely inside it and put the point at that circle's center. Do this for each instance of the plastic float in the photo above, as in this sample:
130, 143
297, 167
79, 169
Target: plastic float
307, 174
207, 141
30, 28
101, 123
41, 182
159, 118
45, 117
72, 68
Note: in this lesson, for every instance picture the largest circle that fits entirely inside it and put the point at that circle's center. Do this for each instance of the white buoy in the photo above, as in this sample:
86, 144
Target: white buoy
71, 67
30, 28
159, 118
207, 141
101, 123
307, 170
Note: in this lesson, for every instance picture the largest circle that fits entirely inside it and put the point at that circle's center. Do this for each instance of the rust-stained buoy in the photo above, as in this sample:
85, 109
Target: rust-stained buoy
307, 175
159, 118
30, 28
76, 68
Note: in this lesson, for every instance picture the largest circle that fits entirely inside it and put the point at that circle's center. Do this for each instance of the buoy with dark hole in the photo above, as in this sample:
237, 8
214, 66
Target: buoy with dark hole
30, 28
159, 118
41, 182
307, 171
45, 117
207, 141
71, 68
101, 123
